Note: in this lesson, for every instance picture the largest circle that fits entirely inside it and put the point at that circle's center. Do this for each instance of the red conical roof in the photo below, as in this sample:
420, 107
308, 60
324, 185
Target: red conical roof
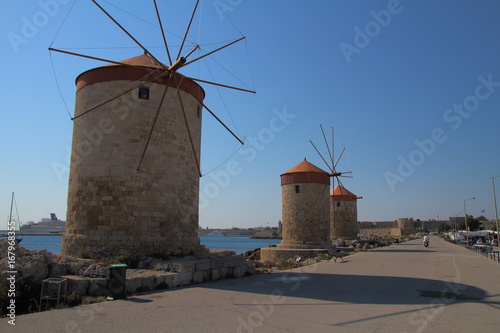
142, 60
304, 166
143, 68
305, 172
339, 193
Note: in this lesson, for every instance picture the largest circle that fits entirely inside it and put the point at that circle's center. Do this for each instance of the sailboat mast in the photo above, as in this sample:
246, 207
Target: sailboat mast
11, 204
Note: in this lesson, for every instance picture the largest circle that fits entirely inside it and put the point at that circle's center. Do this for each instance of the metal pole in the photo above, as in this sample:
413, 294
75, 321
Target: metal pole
496, 212
466, 224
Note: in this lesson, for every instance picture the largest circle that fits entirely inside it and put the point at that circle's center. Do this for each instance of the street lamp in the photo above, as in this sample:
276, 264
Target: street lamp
466, 225
496, 212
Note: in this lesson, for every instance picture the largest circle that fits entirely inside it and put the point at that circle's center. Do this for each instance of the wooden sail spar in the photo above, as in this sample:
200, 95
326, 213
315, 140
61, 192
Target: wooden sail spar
162, 72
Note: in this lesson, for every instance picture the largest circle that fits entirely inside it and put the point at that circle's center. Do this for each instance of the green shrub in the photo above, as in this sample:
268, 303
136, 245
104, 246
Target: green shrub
322, 256
83, 254
92, 300
125, 257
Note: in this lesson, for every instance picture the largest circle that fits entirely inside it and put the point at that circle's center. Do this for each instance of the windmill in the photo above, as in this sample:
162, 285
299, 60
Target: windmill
162, 71
343, 208
134, 176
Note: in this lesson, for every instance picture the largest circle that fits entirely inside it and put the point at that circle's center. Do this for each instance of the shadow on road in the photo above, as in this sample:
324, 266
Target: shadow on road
404, 250
359, 289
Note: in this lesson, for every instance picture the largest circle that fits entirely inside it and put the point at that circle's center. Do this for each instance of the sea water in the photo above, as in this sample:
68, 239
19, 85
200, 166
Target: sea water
236, 244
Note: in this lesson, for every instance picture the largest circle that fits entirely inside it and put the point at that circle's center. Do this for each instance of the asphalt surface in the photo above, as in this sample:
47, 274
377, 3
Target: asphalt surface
401, 288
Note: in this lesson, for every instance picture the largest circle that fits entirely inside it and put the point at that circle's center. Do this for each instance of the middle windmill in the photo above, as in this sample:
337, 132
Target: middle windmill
135, 162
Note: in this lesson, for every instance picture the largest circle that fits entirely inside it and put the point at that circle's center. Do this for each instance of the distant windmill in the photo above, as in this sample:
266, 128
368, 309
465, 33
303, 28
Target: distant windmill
134, 176
343, 207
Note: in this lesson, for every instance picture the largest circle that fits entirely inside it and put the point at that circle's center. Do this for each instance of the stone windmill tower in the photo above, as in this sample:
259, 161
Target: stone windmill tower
344, 214
305, 207
305, 213
135, 161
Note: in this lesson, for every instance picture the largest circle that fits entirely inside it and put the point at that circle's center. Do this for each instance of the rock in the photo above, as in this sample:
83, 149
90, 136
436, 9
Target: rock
96, 271
78, 266
145, 262
253, 255
32, 265
250, 269
58, 269
340, 242
221, 253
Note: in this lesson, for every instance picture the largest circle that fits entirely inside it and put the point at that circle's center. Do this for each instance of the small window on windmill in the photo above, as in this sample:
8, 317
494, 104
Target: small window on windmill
143, 93
338, 204
297, 188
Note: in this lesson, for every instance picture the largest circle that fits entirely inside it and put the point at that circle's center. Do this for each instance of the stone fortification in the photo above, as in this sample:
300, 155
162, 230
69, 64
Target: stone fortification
381, 232
405, 223
113, 202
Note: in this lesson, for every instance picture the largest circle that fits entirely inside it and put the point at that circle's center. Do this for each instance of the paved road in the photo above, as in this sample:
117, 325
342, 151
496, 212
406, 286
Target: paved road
402, 288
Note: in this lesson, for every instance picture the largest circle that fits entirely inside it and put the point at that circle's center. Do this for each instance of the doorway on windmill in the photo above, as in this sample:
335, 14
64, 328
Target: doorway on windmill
297, 188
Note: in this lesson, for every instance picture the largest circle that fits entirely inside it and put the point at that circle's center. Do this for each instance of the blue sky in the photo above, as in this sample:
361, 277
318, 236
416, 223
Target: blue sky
412, 89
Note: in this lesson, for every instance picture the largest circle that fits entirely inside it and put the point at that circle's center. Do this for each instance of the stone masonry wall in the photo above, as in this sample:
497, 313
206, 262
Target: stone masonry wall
305, 216
344, 220
381, 232
111, 204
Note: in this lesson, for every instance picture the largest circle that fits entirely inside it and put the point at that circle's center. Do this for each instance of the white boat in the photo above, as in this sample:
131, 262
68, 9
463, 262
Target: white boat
217, 233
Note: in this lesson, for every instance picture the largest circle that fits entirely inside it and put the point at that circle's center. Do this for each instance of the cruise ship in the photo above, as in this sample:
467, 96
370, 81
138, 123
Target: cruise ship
50, 226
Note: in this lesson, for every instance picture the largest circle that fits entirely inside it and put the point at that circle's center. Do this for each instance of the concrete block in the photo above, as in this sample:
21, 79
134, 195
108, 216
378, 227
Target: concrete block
202, 265
98, 287
235, 261
133, 284
186, 266
198, 277
182, 279
164, 280
77, 284
214, 274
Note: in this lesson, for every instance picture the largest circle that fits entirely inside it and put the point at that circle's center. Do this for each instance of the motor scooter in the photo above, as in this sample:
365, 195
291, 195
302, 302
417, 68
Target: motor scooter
426, 243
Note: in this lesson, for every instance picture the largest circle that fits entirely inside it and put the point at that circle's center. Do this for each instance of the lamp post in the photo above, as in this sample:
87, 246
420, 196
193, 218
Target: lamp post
466, 225
496, 212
